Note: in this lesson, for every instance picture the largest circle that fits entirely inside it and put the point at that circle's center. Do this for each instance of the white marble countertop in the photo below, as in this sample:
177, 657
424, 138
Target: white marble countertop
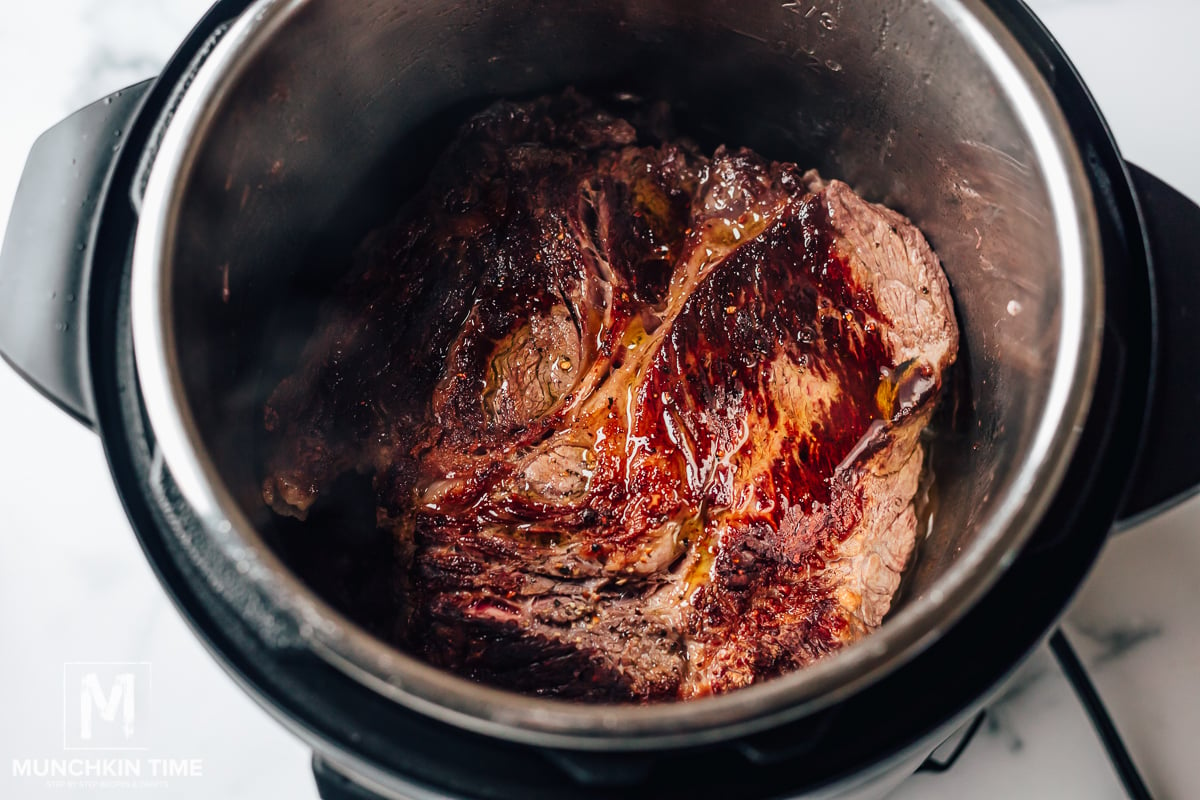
75, 587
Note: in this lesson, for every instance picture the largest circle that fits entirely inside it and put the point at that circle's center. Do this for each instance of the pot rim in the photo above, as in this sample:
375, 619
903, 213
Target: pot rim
495, 712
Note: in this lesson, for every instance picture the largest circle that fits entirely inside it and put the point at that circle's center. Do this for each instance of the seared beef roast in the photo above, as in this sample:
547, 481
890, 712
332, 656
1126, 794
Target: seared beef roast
643, 423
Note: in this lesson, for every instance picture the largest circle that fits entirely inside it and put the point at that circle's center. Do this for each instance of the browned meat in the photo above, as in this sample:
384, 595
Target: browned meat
643, 423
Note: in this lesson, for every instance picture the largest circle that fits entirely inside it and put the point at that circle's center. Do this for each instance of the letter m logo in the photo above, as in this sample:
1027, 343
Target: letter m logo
120, 698
105, 706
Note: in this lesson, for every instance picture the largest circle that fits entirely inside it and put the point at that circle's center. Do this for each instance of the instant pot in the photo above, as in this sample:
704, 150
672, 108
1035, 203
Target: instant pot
171, 244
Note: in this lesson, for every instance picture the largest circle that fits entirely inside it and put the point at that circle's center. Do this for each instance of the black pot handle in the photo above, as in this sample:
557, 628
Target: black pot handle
1168, 470
46, 257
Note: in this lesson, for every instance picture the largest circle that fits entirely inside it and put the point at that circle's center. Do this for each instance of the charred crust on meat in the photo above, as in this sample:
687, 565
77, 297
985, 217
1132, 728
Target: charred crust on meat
642, 422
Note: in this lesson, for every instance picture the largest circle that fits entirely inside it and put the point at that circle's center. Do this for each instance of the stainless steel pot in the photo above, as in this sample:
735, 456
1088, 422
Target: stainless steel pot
286, 127
929, 107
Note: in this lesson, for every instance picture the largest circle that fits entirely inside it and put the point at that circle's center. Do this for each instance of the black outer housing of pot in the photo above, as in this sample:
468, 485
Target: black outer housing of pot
1146, 395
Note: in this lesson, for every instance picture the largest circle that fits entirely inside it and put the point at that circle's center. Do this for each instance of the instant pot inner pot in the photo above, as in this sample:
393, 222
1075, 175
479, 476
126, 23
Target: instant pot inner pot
337, 115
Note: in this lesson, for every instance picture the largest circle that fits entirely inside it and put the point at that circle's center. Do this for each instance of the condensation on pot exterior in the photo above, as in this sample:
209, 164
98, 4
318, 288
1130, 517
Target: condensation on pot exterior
930, 108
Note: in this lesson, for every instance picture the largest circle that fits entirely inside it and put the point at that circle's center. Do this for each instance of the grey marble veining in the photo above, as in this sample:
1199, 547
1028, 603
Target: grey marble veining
1114, 641
74, 586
